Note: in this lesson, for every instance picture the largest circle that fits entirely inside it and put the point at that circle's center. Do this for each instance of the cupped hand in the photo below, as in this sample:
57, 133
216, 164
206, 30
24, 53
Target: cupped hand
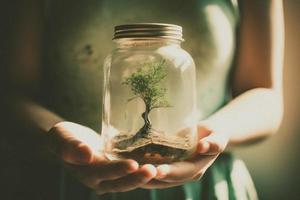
211, 143
80, 149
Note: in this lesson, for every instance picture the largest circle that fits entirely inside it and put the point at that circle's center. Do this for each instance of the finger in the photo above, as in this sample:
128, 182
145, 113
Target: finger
130, 182
69, 148
93, 174
203, 131
156, 184
203, 146
184, 171
212, 144
115, 169
162, 171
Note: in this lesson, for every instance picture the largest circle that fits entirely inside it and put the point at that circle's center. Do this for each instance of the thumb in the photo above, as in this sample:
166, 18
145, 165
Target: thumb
69, 141
76, 152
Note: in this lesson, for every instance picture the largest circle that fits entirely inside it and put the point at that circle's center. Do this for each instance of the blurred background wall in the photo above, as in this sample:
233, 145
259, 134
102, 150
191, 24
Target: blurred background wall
275, 163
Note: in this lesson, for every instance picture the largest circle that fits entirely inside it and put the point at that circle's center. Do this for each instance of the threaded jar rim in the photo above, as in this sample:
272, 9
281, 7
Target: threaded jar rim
148, 31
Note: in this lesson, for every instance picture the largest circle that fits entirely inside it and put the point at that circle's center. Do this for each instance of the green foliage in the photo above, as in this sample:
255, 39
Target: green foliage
145, 83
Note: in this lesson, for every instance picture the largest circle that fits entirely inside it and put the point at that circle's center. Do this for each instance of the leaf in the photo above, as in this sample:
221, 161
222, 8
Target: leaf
145, 83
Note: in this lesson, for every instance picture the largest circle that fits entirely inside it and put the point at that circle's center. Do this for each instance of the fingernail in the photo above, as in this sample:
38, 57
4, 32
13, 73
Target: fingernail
162, 171
151, 170
132, 166
203, 147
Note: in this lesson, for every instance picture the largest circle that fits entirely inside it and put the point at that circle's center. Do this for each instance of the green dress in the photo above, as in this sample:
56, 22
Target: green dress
78, 37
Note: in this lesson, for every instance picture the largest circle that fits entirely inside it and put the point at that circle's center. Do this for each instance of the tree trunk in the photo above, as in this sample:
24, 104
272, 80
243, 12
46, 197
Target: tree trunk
144, 131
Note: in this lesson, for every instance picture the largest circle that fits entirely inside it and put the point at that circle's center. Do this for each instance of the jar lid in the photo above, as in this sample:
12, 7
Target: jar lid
148, 30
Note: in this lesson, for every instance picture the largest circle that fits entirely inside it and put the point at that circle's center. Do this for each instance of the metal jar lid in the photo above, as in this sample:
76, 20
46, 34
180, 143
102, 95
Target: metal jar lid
148, 30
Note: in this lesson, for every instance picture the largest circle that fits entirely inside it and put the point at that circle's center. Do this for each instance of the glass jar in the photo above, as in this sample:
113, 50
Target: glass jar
149, 107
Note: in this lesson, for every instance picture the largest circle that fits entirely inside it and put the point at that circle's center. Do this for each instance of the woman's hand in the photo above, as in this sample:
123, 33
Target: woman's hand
211, 143
80, 150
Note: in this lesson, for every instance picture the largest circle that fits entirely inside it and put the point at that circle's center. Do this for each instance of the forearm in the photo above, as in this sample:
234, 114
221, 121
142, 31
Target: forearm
26, 123
251, 116
35, 115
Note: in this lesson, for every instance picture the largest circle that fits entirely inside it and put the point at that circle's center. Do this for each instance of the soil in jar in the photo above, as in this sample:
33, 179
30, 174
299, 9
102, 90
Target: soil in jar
153, 148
